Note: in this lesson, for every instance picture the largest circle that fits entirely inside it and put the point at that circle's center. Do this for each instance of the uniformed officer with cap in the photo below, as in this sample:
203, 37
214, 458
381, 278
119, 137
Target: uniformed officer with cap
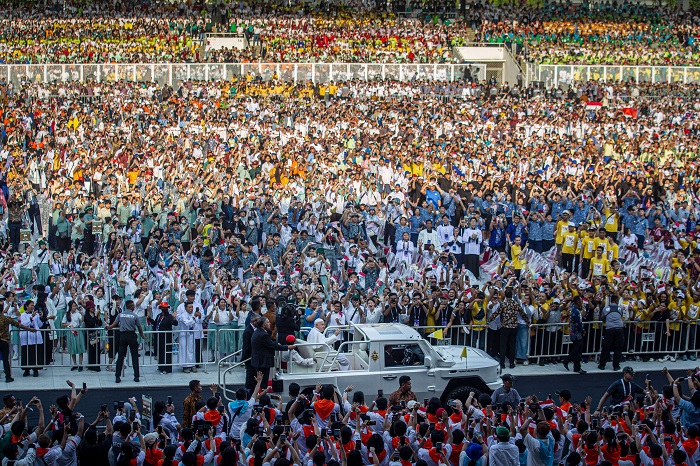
128, 323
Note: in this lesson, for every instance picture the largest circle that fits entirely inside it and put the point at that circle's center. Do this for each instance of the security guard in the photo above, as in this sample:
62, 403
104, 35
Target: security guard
128, 324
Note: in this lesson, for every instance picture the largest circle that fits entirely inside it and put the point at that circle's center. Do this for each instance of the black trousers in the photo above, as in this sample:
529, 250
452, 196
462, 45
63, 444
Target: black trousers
493, 344
198, 350
164, 345
265, 376
472, 264
575, 350
93, 351
249, 376
6, 358
128, 340
14, 228
613, 340
508, 338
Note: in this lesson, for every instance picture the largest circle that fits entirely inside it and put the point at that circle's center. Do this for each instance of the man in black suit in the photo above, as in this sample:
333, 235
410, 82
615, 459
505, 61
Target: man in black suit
253, 315
263, 358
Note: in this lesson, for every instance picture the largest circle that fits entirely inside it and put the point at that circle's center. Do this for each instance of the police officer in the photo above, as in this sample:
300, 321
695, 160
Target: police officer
128, 324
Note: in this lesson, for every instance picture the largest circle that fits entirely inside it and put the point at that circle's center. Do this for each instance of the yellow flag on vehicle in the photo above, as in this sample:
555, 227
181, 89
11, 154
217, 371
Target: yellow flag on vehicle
437, 334
464, 353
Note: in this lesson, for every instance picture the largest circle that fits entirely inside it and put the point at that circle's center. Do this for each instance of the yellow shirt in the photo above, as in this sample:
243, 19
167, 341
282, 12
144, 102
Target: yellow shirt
588, 245
611, 220
562, 227
599, 267
603, 243
569, 241
515, 251
613, 252
692, 312
676, 313
479, 324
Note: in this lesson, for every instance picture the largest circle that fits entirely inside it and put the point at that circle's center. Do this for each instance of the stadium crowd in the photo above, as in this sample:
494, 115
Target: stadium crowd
617, 33
630, 425
374, 201
610, 33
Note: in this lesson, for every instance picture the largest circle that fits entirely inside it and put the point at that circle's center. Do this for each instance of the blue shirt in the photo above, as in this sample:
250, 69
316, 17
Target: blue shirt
433, 196
689, 413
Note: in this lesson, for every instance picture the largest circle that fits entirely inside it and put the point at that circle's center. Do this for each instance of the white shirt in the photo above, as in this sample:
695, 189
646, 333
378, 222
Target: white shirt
315, 336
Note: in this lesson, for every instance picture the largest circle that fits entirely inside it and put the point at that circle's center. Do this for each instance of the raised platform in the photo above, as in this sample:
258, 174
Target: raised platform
55, 377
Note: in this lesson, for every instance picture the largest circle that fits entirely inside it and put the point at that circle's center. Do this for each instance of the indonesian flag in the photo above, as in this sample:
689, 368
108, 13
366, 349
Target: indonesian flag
630, 112
594, 105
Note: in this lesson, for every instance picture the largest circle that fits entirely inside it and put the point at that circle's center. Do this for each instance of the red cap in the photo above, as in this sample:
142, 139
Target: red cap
164, 305
290, 339
440, 412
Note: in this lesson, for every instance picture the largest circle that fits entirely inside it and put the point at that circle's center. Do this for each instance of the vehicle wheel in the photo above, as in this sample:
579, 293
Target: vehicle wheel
462, 393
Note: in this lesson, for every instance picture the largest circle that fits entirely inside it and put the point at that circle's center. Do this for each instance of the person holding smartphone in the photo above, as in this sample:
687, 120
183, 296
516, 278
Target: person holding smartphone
92, 452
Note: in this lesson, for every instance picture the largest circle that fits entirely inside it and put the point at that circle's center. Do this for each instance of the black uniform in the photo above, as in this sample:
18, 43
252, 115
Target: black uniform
164, 341
128, 323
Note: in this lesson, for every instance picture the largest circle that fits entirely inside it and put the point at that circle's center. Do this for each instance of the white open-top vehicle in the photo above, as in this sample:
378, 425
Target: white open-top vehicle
379, 354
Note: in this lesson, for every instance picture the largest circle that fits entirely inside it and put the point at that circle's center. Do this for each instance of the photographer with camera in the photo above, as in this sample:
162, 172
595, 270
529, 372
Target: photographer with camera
288, 318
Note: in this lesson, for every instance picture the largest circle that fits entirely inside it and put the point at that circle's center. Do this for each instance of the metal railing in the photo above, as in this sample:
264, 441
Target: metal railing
550, 340
174, 73
568, 74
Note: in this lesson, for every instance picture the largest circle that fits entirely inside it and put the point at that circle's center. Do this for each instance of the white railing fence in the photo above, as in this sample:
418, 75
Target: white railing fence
566, 74
173, 73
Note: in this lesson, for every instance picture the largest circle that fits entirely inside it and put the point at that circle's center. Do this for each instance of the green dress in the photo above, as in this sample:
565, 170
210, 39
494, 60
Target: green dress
76, 337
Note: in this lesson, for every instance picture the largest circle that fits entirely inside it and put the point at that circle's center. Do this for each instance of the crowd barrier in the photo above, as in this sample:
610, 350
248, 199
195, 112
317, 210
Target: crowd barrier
174, 73
641, 339
555, 75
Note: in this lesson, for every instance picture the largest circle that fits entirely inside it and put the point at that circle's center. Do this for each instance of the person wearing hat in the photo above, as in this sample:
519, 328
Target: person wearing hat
93, 322
621, 390
476, 452
506, 394
163, 326
501, 451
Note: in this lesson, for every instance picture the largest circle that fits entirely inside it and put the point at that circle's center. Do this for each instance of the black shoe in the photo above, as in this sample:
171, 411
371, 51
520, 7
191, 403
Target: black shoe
118, 380
25, 374
9, 379
136, 379
566, 365
582, 372
36, 373
148, 353
74, 368
616, 368
602, 368
80, 369
542, 363
512, 366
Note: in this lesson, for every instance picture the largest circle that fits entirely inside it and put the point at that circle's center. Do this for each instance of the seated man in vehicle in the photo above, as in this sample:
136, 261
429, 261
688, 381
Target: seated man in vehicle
316, 336
295, 356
